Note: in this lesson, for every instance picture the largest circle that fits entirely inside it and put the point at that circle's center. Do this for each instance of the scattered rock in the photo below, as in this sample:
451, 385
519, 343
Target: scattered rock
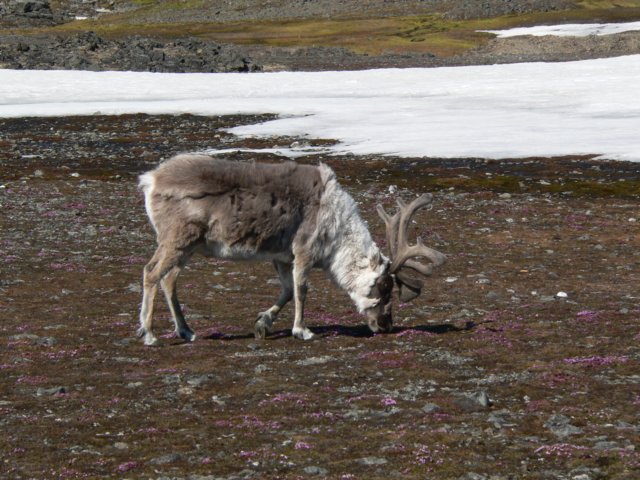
199, 380
474, 401
313, 470
314, 360
561, 426
45, 341
606, 445
134, 287
260, 369
23, 336
501, 419
473, 476
372, 461
43, 392
169, 458
431, 408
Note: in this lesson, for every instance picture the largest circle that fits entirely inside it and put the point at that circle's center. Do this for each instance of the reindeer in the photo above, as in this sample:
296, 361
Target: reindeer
297, 216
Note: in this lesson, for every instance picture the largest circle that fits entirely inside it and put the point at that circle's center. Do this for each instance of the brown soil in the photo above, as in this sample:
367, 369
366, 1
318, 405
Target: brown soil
82, 398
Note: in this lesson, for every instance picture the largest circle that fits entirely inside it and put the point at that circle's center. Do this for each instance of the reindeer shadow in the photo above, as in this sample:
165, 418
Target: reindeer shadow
353, 331
436, 329
363, 331
228, 336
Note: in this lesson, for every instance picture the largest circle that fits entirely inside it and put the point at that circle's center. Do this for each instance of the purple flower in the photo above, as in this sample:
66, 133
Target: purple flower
126, 466
596, 360
560, 449
388, 401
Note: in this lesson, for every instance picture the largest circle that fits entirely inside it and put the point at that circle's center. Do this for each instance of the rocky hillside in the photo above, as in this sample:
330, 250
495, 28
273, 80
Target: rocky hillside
22, 12
251, 35
88, 51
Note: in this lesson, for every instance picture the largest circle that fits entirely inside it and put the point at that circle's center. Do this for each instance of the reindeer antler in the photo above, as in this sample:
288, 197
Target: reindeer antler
403, 254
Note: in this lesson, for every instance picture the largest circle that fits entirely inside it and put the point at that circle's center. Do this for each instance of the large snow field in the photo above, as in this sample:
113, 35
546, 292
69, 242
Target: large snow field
498, 111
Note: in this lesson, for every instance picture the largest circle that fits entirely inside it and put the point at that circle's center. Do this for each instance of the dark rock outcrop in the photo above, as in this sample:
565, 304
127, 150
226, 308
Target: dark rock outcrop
88, 51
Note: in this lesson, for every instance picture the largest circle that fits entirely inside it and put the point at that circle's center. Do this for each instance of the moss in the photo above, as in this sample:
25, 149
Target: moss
589, 188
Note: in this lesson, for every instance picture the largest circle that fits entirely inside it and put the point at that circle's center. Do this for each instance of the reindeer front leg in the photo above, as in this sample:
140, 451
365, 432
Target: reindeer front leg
264, 322
301, 268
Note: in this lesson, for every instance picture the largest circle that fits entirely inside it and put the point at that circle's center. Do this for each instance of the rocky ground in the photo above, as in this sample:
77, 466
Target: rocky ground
492, 373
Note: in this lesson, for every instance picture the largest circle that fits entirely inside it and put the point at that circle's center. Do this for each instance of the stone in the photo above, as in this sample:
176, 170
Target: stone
561, 427
45, 341
431, 408
372, 461
472, 476
313, 470
501, 419
314, 361
164, 459
198, 380
474, 402
42, 392
606, 445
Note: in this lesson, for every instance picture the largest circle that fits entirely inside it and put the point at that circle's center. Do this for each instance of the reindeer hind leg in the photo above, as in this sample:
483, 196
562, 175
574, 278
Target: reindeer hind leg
162, 263
168, 284
149, 289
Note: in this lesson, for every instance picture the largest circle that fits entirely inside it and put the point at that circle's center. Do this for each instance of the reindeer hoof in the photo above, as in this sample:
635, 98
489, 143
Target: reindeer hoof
263, 325
302, 333
187, 335
260, 330
150, 340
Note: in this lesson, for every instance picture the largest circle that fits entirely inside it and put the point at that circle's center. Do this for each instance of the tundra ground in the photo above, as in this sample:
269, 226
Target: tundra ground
492, 373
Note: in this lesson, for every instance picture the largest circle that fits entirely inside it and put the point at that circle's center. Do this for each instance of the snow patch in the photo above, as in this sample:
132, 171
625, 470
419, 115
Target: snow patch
568, 30
496, 111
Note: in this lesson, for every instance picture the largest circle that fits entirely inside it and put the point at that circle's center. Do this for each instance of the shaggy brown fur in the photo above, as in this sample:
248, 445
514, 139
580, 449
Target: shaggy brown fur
257, 206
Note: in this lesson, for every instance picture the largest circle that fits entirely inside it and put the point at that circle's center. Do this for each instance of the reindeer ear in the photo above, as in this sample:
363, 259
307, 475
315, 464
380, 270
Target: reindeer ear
408, 287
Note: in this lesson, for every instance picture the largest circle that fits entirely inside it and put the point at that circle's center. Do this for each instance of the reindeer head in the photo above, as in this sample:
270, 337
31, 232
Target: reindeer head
405, 270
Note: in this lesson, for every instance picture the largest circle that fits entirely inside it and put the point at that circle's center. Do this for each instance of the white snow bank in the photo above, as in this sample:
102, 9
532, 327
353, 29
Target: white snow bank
568, 30
521, 110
